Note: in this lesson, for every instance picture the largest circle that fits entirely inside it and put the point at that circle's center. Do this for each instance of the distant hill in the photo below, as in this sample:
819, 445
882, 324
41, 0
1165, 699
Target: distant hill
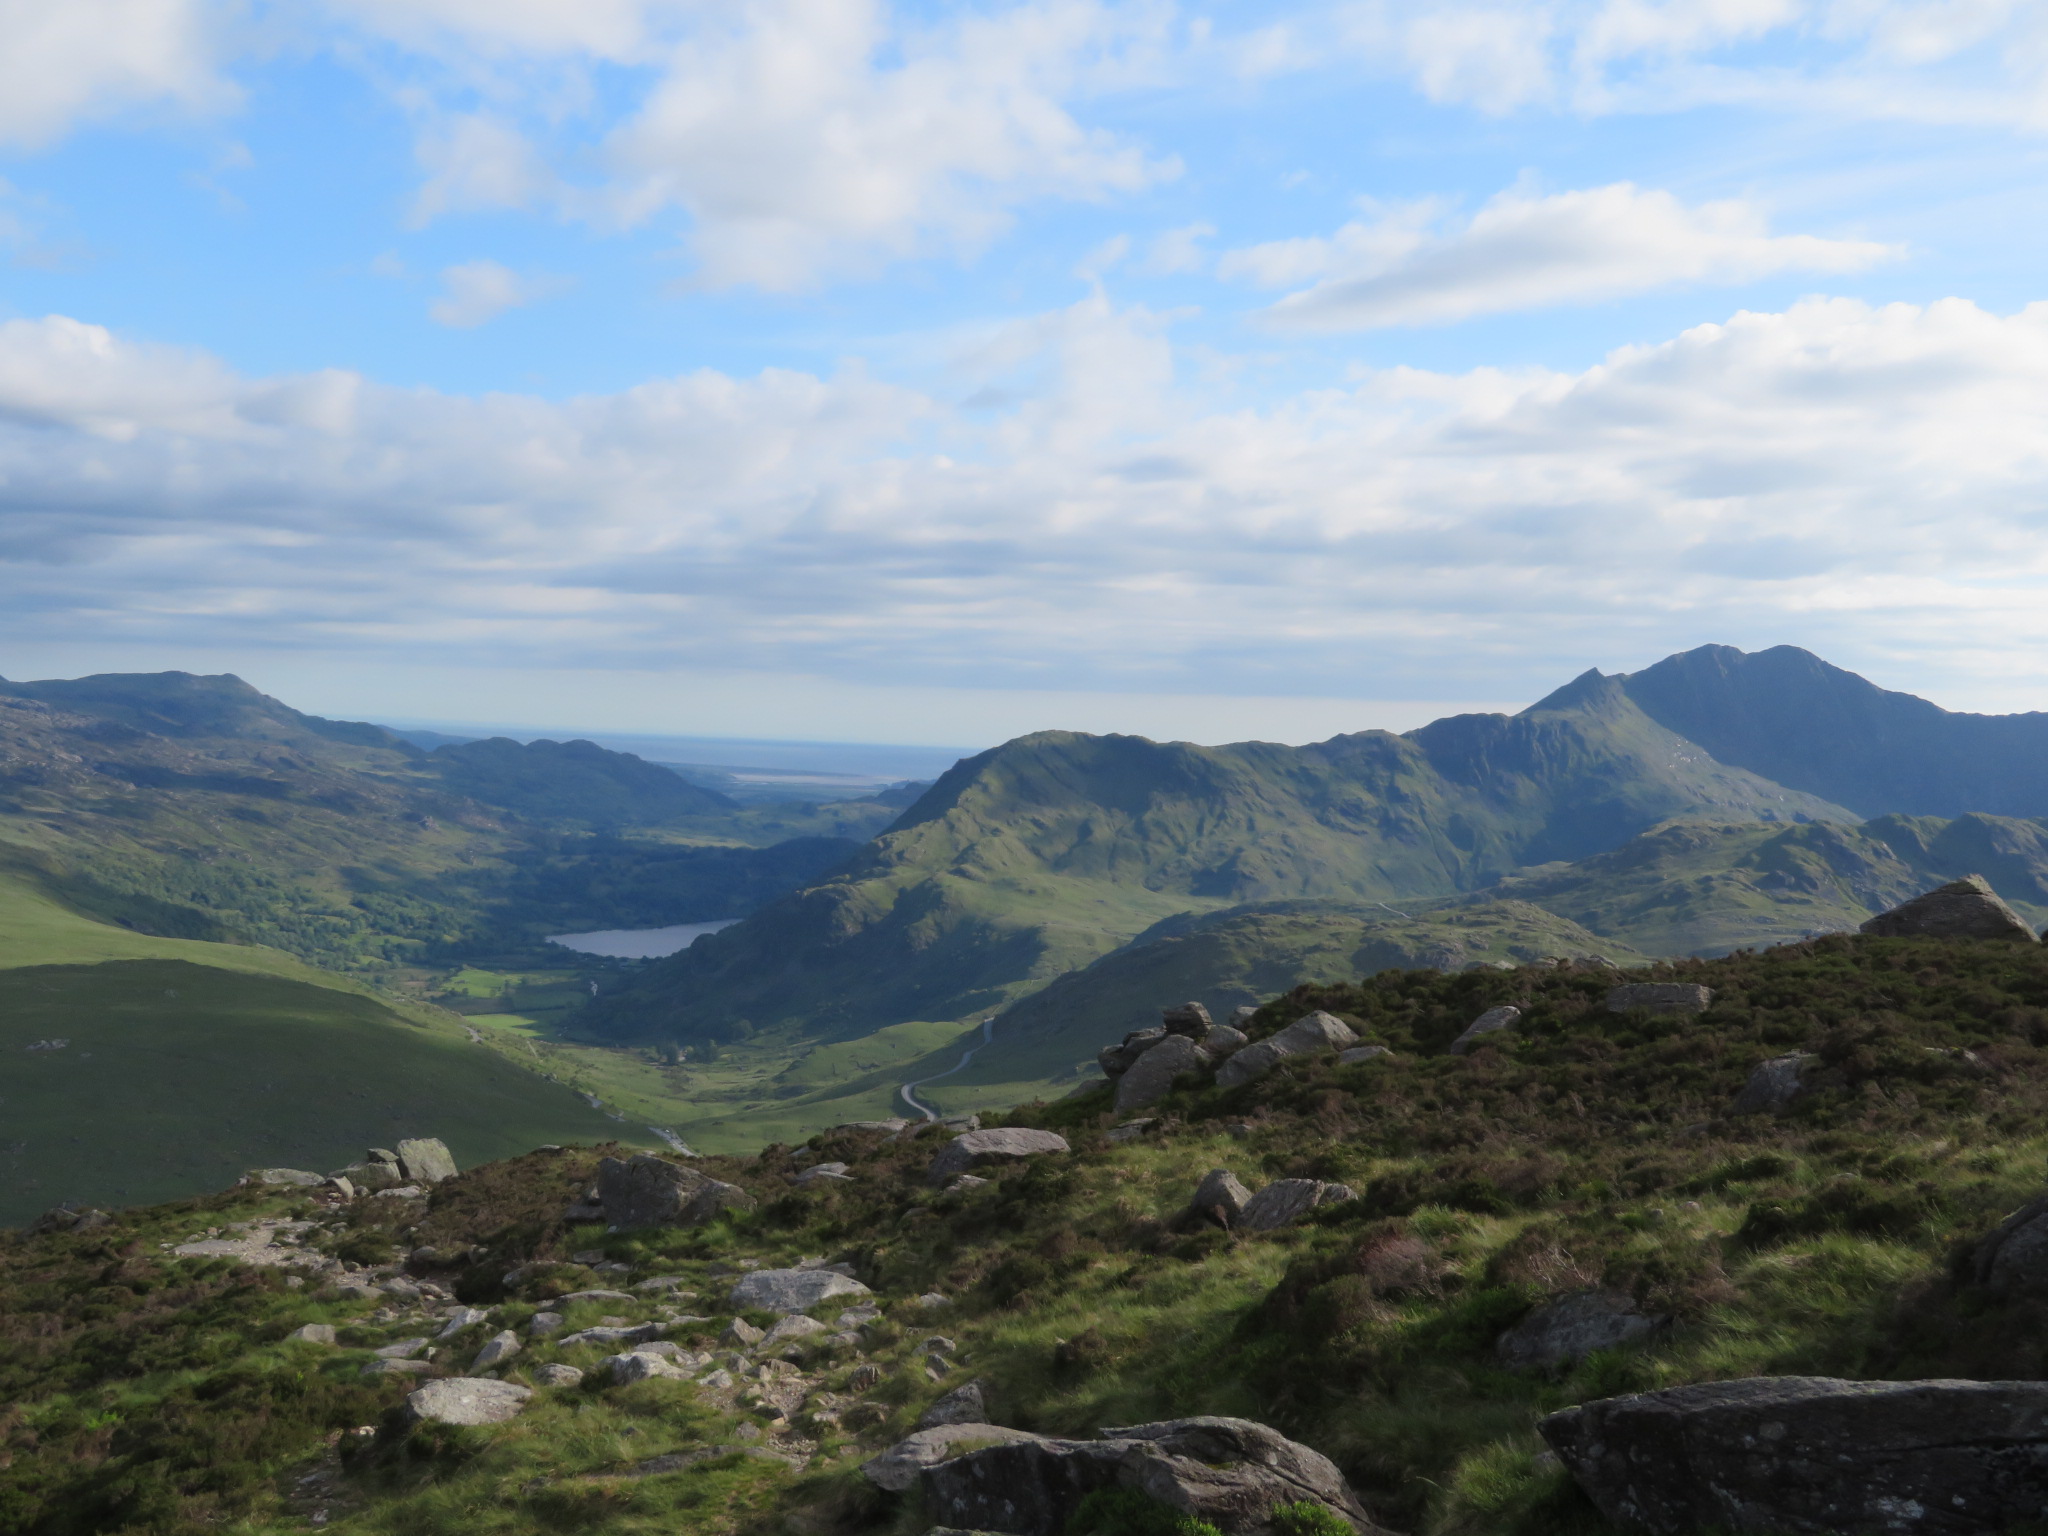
574, 783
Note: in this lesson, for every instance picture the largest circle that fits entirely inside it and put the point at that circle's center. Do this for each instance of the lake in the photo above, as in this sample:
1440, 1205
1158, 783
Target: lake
638, 943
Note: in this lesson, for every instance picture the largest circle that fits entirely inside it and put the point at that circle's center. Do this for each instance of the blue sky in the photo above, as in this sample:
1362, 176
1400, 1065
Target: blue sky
822, 368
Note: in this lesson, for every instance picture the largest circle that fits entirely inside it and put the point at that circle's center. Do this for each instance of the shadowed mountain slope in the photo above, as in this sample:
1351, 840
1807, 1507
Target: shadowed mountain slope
573, 782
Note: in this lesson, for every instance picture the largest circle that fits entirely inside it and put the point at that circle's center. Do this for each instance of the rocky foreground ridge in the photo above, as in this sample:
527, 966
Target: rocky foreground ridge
1504, 1251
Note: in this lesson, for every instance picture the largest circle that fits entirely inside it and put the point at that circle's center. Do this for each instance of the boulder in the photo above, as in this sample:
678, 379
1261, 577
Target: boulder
1151, 1076
640, 1333
465, 1400
425, 1160
1288, 1200
821, 1172
1774, 1085
543, 1324
638, 1365
794, 1290
1659, 997
312, 1333
559, 1376
1189, 1019
1491, 1022
1232, 1473
965, 1153
1311, 1035
1224, 1040
1116, 1060
2012, 1259
741, 1334
398, 1368
498, 1348
791, 1330
464, 1317
965, 1404
1219, 1198
1809, 1454
897, 1469
1962, 909
404, 1349
1358, 1053
648, 1191
368, 1178
1566, 1329
297, 1177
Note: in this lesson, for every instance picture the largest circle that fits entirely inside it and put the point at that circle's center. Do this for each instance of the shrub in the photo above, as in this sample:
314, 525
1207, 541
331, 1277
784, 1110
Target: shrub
1126, 1512
1308, 1519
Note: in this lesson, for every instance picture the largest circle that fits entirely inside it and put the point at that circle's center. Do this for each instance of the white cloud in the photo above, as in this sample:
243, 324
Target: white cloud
477, 160
64, 62
477, 291
1826, 475
1179, 250
1522, 251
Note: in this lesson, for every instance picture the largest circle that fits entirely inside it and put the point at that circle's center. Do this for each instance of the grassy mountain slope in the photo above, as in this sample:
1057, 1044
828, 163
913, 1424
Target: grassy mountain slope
1788, 715
1702, 888
150, 1394
1030, 860
574, 782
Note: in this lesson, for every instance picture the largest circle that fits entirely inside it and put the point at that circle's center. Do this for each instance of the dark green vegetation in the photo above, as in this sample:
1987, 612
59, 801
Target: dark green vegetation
574, 783
151, 1395
177, 1076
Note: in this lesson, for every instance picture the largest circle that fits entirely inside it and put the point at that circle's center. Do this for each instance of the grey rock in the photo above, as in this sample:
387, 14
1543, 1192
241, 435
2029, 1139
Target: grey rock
646, 1191
1189, 1019
795, 1290
963, 1154
1491, 1022
401, 1192
459, 1319
1311, 1035
497, 1349
559, 1376
600, 1296
1288, 1200
465, 1400
341, 1186
1232, 1473
898, 1468
1224, 1040
2012, 1260
1219, 1198
544, 1324
1773, 1086
741, 1334
404, 1349
791, 1330
312, 1333
1660, 997
637, 1333
641, 1365
1358, 1053
1118, 1059
965, 1404
398, 1367
298, 1177
1808, 1454
1150, 1077
1130, 1130
890, 1127
425, 1160
1569, 1328
1962, 909
368, 1178
718, 1380
818, 1172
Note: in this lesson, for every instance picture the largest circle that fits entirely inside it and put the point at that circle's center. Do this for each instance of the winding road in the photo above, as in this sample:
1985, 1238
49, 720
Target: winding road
909, 1090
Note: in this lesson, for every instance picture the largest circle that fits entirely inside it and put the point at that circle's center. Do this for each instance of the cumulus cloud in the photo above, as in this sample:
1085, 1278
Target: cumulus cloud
477, 291
72, 62
1527, 252
1836, 469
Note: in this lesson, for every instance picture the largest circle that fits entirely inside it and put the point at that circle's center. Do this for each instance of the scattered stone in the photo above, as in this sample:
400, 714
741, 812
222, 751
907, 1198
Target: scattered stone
1150, 1078
1115, 1060
1224, 1040
312, 1333
1189, 1019
718, 1380
639, 1334
298, 1177
1288, 1200
965, 1404
1774, 1086
648, 1191
1311, 1035
641, 1365
668, 1283
798, 1290
1232, 1473
792, 1328
1219, 1198
497, 1349
855, 1317
1962, 909
1358, 1053
2012, 1259
968, 1181
1566, 1329
459, 1319
398, 1367
465, 1400
404, 1349
1660, 997
1810, 1454
599, 1296
559, 1376
425, 1160
544, 1324
1491, 1022
932, 1299
864, 1377
741, 1334
965, 1153
401, 1192
819, 1172
897, 1469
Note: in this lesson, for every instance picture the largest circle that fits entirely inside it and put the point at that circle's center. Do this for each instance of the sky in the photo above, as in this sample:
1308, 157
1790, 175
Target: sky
840, 370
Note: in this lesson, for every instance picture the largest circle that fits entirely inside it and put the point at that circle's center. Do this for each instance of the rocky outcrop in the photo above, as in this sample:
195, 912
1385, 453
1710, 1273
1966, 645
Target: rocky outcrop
1660, 997
1566, 1329
1775, 1085
1311, 1035
559, 1376
1116, 1060
1962, 909
1224, 1040
496, 1350
1285, 1201
1808, 1454
1232, 1473
1491, 1022
965, 1404
1219, 1198
1150, 1078
425, 1160
2012, 1260
792, 1290
647, 1191
465, 1400
1001, 1145
898, 1468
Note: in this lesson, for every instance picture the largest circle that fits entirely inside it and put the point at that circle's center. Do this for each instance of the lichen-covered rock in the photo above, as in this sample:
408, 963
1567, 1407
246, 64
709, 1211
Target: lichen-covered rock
1491, 1022
466, 1400
1774, 1085
297, 1177
1219, 1198
496, 1350
559, 1376
1660, 997
1808, 1454
1288, 1200
898, 1468
425, 1160
1001, 1145
1311, 1035
312, 1333
648, 1191
1151, 1076
1224, 1040
1962, 909
792, 1290
1569, 1328
641, 1365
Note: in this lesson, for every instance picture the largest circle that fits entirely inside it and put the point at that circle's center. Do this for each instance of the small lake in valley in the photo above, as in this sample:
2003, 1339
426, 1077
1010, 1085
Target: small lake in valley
638, 943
